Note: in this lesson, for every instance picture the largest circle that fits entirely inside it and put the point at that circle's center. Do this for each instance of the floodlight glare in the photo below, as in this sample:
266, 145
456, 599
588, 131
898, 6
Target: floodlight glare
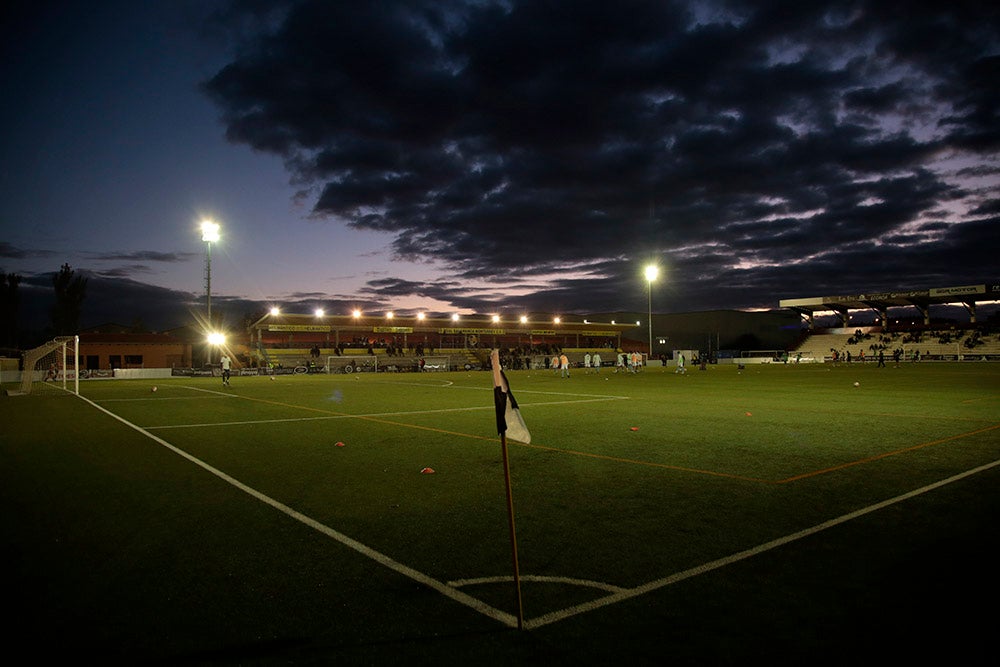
421, 316
356, 314
524, 319
275, 311
320, 312
215, 338
652, 272
209, 231
454, 318
389, 315
496, 319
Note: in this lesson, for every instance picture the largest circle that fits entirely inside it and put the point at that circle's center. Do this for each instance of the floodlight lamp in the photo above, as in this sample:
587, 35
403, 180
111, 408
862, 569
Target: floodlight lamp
389, 315
215, 338
454, 317
496, 319
421, 316
209, 231
275, 311
524, 319
557, 320
356, 314
652, 272
319, 312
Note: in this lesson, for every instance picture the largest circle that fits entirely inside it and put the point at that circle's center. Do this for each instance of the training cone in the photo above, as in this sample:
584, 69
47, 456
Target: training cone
749, 415
427, 471
634, 428
339, 444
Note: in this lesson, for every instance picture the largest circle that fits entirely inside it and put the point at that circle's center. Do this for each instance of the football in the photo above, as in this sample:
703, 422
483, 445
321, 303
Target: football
154, 388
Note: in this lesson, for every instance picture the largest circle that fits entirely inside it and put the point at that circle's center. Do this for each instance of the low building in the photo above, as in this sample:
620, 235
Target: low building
108, 349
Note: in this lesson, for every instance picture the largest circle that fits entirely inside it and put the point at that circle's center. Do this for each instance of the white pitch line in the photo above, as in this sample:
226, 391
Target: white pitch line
448, 591
369, 415
651, 586
538, 578
157, 398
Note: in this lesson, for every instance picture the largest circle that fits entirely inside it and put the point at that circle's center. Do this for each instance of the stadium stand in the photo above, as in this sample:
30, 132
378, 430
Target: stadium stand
932, 345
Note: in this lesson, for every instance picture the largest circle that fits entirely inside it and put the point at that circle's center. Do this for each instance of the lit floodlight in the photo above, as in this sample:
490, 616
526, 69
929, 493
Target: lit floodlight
356, 314
389, 315
454, 317
496, 319
652, 271
524, 319
209, 231
320, 312
215, 338
275, 311
421, 316
557, 320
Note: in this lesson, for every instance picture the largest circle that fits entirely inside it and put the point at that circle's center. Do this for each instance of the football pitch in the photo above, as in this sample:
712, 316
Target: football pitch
780, 513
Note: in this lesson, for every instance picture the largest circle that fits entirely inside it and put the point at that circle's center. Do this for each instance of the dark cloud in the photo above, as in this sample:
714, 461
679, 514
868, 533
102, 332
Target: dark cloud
755, 149
143, 256
10, 251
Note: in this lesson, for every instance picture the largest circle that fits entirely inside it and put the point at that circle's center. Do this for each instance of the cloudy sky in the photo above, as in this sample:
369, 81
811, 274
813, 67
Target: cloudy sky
497, 156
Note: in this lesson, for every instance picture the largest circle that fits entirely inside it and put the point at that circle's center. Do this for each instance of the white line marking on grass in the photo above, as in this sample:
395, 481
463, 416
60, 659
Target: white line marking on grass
158, 398
651, 586
380, 558
369, 415
537, 578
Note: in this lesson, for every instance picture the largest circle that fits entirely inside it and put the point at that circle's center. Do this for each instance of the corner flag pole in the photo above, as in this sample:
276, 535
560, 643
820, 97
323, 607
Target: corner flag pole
513, 533
505, 404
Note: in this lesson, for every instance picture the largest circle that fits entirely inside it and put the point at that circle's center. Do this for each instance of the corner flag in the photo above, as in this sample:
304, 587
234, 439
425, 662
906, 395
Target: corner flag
509, 420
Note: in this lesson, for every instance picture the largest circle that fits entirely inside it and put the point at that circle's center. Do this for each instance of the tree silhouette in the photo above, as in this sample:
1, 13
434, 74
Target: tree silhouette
9, 299
70, 291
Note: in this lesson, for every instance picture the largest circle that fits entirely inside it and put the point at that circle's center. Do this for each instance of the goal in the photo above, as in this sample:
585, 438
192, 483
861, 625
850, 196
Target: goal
440, 363
51, 362
353, 364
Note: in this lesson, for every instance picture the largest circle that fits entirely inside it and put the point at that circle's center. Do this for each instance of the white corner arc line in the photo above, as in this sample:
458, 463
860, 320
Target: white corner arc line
747, 553
380, 558
538, 579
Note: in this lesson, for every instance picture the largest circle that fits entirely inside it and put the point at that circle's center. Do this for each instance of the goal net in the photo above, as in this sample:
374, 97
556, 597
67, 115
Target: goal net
439, 363
352, 364
53, 362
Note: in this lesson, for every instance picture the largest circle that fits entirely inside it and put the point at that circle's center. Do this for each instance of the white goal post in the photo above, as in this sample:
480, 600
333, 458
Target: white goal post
438, 363
51, 362
352, 364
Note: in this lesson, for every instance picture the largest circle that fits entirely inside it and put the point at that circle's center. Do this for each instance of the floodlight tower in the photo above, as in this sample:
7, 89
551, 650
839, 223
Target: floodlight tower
652, 271
209, 234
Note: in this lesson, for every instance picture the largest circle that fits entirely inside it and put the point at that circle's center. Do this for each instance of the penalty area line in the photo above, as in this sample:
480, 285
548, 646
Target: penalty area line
744, 555
382, 559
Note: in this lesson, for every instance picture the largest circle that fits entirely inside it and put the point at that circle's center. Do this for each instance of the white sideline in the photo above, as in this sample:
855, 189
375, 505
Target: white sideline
651, 586
405, 570
619, 594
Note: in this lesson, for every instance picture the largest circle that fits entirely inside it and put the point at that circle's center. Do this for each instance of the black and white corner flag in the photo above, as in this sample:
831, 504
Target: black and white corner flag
509, 421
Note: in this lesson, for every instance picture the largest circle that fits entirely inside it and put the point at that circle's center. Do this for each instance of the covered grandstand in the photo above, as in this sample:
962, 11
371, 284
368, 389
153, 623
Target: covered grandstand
880, 302
287, 339
925, 340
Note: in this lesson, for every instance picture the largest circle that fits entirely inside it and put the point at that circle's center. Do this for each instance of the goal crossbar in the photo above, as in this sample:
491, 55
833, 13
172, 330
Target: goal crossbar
60, 366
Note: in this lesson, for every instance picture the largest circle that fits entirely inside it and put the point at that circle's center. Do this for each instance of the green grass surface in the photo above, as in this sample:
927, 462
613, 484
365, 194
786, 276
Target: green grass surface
121, 548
